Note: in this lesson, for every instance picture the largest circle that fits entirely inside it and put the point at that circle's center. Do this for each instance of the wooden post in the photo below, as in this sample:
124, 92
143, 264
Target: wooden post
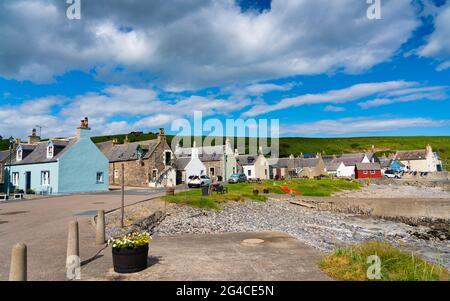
18, 268
123, 197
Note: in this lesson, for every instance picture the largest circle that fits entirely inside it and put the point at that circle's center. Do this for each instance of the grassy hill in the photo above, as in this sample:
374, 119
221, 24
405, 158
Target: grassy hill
327, 146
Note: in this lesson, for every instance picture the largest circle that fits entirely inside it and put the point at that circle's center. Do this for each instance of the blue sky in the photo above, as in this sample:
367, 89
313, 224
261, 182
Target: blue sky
323, 69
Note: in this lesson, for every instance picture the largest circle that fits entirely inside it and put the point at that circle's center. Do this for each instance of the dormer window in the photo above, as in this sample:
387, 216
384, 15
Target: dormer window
50, 150
19, 154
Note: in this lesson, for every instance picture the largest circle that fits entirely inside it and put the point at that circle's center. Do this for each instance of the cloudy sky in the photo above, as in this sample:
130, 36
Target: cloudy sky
323, 68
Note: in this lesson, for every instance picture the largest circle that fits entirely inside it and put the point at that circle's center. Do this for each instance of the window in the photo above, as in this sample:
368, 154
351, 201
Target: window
19, 154
100, 177
168, 158
365, 172
372, 172
249, 172
116, 173
15, 179
211, 172
234, 169
154, 175
50, 150
45, 178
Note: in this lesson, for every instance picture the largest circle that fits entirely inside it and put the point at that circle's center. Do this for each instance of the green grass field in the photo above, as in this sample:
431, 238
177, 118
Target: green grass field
350, 264
243, 191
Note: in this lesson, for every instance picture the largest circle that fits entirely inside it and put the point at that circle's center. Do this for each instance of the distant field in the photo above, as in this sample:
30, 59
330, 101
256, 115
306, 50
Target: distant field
327, 146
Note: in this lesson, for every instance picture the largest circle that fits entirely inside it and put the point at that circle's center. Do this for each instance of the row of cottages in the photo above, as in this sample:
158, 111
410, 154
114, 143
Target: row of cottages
146, 163
422, 160
59, 166
300, 167
345, 164
217, 162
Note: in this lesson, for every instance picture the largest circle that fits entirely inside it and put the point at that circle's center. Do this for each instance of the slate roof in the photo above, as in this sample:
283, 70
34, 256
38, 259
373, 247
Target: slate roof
350, 159
368, 166
4, 155
204, 150
385, 162
332, 165
246, 159
306, 162
37, 153
181, 163
127, 152
411, 155
278, 162
210, 157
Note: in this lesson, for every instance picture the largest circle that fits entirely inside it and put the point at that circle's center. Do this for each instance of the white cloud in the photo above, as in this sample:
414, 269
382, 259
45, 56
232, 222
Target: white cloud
438, 44
115, 109
349, 94
260, 89
357, 126
197, 43
336, 109
434, 94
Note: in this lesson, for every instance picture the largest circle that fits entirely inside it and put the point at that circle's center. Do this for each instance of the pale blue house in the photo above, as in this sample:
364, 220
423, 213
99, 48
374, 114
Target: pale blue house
60, 166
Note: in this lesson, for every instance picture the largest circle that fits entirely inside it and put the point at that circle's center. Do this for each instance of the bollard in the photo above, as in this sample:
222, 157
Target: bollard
73, 247
100, 229
18, 269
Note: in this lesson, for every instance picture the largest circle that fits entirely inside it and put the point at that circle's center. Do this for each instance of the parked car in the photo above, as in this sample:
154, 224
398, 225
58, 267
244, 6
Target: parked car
198, 181
237, 178
392, 174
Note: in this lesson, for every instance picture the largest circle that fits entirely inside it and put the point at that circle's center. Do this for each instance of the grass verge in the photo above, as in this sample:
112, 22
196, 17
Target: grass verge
244, 191
351, 264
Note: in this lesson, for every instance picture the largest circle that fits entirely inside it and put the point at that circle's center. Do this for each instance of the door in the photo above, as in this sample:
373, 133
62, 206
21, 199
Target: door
27, 181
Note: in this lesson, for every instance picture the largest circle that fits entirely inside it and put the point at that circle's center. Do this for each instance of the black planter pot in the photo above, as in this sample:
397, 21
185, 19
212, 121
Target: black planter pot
130, 260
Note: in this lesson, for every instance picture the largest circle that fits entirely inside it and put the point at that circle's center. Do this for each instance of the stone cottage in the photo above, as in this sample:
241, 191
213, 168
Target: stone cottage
146, 163
306, 167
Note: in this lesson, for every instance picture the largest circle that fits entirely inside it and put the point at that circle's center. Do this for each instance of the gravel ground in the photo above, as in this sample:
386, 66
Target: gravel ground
320, 229
395, 191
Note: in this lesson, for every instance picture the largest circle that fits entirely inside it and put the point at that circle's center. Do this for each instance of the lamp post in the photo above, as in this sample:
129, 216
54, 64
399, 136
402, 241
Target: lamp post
11, 141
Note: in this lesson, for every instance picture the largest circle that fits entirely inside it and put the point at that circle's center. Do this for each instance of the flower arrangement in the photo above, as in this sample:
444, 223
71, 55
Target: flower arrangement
130, 241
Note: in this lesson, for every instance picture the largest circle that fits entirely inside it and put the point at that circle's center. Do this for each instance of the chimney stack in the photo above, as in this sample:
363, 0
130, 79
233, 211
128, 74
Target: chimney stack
83, 131
161, 135
34, 138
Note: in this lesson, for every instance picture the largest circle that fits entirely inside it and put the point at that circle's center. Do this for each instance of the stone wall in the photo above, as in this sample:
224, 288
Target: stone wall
218, 169
136, 173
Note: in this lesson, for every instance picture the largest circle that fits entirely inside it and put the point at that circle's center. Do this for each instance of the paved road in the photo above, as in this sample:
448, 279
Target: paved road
220, 257
42, 224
